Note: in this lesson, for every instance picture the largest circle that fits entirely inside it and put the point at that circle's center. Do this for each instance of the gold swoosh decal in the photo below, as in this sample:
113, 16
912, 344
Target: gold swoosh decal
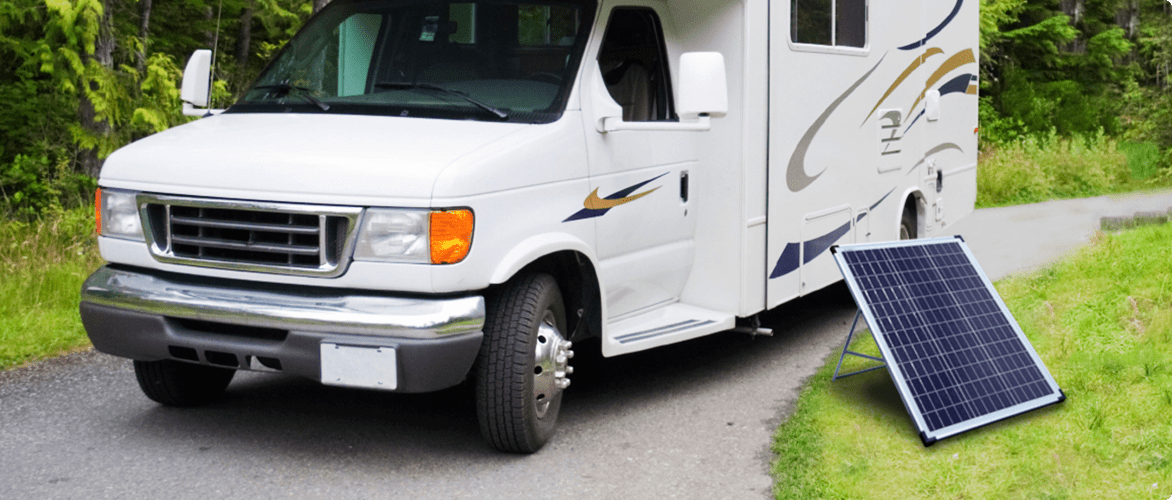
593, 202
903, 76
957, 60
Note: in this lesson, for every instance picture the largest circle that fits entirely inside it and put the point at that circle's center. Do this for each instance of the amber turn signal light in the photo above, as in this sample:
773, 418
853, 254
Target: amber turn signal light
98, 211
451, 235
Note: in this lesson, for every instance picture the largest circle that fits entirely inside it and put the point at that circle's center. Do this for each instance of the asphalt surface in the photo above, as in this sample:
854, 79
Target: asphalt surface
693, 420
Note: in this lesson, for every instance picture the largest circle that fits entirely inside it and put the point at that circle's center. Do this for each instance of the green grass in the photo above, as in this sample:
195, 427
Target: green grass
1102, 323
42, 266
1040, 169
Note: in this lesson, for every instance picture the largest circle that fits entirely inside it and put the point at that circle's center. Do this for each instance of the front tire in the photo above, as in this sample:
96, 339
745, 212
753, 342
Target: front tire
173, 383
523, 363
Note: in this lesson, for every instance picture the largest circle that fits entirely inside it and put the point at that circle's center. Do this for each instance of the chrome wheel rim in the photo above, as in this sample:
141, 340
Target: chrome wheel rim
551, 365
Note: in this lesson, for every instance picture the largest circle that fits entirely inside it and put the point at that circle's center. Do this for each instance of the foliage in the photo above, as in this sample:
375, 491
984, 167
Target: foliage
44, 263
1048, 167
1101, 322
29, 186
1143, 159
53, 72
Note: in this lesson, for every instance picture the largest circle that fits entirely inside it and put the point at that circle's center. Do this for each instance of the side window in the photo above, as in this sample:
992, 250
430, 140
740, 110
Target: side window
544, 25
633, 60
838, 23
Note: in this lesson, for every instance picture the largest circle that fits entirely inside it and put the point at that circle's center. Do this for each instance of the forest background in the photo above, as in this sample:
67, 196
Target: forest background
81, 78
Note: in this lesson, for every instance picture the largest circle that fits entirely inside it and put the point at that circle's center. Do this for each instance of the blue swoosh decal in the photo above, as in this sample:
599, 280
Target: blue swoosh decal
958, 84
935, 31
788, 262
587, 213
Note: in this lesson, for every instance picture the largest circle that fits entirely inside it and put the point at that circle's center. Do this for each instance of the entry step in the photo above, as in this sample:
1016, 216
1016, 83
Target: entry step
666, 325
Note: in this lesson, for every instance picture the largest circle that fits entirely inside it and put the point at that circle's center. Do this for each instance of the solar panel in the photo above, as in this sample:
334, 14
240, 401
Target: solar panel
955, 353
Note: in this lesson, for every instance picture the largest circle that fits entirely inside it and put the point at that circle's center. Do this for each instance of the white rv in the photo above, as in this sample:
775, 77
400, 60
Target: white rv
418, 192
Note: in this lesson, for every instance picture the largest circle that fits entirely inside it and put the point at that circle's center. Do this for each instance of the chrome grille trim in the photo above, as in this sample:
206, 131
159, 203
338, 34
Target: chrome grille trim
189, 231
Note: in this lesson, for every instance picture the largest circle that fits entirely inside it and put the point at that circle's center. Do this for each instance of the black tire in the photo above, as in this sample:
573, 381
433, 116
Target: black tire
516, 415
173, 383
907, 225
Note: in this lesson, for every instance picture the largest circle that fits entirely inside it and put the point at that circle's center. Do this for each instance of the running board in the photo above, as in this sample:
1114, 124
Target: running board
662, 326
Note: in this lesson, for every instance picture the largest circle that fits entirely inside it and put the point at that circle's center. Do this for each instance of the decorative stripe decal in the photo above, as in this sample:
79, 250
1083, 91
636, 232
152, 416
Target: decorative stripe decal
937, 30
958, 84
940, 147
913, 122
597, 207
795, 175
957, 60
903, 76
788, 262
965, 83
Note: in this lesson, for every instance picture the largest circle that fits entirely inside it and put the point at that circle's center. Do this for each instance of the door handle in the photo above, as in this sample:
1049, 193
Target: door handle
684, 186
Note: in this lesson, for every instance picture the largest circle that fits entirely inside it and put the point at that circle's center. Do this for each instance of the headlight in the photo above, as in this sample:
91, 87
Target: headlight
414, 236
118, 214
393, 235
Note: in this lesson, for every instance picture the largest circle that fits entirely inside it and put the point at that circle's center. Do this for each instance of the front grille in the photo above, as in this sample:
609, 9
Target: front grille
284, 239
280, 238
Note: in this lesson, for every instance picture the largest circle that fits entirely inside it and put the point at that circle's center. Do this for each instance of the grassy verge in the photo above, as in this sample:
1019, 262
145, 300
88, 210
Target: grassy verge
1048, 168
42, 266
1102, 323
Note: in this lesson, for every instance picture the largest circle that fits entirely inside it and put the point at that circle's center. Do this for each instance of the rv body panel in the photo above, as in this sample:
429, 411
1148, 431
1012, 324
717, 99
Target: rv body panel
849, 148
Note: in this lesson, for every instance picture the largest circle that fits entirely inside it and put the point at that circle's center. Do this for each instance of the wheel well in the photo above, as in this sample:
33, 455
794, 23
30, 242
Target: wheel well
578, 283
913, 205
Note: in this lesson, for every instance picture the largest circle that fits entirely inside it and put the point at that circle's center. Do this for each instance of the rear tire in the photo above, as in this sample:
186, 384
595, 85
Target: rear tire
173, 383
907, 225
523, 363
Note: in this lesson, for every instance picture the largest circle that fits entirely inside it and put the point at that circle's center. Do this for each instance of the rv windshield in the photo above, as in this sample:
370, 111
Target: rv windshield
482, 60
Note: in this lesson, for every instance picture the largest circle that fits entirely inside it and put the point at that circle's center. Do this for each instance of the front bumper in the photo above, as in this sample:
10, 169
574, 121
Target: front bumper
151, 316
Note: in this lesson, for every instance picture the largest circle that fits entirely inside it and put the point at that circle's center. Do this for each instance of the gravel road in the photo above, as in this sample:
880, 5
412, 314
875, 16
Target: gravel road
687, 421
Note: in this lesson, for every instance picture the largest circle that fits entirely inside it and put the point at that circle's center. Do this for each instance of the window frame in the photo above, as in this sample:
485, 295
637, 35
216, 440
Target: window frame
664, 57
832, 49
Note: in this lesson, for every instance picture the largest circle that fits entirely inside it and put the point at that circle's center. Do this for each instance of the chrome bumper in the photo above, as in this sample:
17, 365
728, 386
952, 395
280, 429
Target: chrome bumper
283, 307
146, 316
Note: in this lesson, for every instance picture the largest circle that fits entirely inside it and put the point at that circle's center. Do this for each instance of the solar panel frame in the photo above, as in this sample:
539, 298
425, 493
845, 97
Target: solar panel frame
879, 333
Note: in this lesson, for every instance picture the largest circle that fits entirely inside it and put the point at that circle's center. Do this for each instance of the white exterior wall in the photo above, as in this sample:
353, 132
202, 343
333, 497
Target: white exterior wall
828, 106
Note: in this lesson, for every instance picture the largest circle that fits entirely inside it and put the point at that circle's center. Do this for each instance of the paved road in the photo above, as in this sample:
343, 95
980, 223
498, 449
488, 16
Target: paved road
686, 421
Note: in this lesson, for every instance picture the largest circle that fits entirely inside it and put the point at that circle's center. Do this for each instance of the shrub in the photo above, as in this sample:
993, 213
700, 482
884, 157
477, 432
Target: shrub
1036, 169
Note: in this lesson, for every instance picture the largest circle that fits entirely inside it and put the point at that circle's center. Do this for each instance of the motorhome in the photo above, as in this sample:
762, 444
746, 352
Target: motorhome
416, 193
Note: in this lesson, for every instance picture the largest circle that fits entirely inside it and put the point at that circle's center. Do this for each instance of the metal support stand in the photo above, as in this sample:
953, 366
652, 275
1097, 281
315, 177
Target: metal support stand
846, 350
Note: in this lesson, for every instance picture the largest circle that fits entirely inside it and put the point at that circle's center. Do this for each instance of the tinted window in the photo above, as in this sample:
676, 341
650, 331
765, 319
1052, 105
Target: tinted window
633, 61
841, 23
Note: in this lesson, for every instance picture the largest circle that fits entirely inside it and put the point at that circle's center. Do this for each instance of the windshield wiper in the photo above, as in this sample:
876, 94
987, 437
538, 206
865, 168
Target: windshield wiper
283, 89
427, 86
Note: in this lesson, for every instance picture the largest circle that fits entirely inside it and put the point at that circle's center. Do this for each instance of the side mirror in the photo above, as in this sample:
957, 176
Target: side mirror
703, 86
702, 95
197, 84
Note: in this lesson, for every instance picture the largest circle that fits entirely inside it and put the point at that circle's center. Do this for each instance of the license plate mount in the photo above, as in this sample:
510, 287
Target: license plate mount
358, 366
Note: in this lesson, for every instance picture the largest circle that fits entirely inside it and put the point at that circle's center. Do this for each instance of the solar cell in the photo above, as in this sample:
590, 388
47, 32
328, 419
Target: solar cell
956, 354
